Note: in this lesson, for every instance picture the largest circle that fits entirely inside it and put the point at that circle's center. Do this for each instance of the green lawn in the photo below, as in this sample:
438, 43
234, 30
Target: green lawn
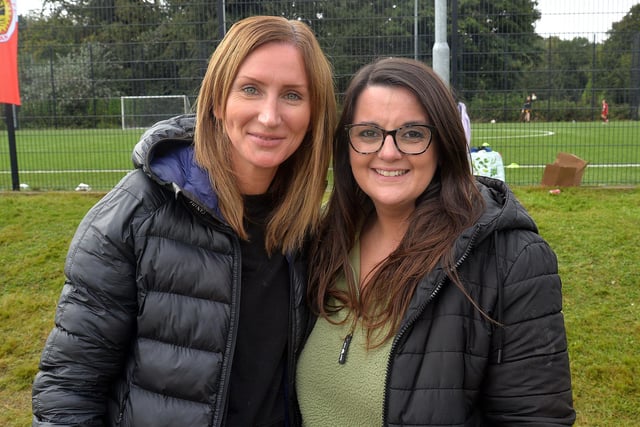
51, 159
594, 231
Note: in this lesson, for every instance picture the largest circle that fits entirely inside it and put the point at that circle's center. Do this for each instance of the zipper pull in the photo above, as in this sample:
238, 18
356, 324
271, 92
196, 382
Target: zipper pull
345, 349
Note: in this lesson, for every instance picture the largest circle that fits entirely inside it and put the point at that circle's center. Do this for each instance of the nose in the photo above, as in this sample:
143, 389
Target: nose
389, 151
269, 114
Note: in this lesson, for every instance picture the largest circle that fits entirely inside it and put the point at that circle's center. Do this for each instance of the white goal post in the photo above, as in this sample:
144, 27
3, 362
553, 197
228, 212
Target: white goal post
143, 111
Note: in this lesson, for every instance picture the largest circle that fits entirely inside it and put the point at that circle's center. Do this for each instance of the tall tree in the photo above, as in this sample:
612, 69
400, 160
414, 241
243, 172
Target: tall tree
498, 43
163, 46
618, 73
564, 70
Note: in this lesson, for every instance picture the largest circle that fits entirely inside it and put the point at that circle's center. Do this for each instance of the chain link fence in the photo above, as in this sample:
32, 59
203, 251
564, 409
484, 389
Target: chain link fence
93, 73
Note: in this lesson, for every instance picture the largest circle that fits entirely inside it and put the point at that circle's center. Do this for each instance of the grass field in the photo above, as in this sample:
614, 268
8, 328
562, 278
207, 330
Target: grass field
612, 150
61, 159
594, 231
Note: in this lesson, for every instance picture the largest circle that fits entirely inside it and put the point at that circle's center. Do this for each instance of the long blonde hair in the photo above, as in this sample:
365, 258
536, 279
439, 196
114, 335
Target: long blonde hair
301, 180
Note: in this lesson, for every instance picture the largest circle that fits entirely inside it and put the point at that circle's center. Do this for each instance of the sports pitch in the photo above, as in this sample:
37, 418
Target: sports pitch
61, 159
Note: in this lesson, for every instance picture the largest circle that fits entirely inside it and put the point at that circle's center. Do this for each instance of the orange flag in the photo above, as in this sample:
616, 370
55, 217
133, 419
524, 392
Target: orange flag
9, 89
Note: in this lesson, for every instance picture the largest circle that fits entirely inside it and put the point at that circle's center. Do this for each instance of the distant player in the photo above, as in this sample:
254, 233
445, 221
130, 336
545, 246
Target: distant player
525, 114
605, 111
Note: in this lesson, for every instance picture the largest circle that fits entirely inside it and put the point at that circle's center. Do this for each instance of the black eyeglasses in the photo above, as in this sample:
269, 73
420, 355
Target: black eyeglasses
369, 139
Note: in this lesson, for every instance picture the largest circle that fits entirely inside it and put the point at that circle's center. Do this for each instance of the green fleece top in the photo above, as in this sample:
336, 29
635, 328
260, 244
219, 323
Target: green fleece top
334, 394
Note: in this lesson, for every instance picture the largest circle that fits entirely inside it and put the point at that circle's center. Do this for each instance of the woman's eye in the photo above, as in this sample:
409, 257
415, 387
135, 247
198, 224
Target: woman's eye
292, 96
413, 134
370, 133
250, 90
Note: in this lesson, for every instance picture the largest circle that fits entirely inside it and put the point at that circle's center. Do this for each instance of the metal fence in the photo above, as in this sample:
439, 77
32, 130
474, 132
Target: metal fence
89, 68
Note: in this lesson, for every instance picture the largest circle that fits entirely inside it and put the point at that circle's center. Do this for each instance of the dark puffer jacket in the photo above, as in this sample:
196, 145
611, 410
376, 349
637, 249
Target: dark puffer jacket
146, 324
449, 366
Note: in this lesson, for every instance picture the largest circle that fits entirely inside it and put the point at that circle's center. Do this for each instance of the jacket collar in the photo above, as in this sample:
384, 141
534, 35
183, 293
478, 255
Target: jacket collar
165, 153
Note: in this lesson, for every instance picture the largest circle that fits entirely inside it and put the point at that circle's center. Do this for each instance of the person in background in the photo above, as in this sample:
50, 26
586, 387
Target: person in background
526, 110
183, 303
604, 113
437, 301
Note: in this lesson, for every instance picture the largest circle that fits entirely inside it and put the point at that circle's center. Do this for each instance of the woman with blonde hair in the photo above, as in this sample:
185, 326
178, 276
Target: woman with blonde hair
183, 301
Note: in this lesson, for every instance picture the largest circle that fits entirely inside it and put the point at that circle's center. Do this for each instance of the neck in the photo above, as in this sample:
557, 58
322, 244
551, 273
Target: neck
255, 183
388, 224
380, 236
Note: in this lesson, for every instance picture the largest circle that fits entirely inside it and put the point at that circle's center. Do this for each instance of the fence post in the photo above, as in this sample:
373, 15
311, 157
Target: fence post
635, 78
594, 63
13, 154
93, 86
455, 45
54, 97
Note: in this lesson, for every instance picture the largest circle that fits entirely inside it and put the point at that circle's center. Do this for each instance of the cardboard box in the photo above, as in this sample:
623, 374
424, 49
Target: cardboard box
565, 171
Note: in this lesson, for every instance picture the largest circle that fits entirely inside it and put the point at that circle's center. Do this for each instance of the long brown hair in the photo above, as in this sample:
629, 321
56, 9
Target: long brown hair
450, 204
301, 180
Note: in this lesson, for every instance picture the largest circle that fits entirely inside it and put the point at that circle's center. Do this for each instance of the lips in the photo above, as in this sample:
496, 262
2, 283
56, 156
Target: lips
391, 173
264, 136
268, 140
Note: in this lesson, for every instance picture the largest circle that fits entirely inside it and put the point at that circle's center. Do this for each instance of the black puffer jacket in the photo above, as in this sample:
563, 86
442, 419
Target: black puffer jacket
449, 366
145, 327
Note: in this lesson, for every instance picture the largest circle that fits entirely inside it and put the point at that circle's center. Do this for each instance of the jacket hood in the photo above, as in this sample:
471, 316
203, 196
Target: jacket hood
503, 211
165, 153
179, 129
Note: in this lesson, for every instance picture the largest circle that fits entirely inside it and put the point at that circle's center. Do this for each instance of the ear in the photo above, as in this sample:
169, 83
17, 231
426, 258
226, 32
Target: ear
216, 112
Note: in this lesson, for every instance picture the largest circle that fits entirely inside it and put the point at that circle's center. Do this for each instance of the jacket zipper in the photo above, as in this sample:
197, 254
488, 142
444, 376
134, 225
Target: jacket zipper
407, 326
220, 411
290, 373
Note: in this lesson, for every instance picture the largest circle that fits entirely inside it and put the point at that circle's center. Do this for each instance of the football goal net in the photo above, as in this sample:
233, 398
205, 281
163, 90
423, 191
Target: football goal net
144, 111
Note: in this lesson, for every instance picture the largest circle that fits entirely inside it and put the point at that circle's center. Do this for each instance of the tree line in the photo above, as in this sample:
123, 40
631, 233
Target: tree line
77, 57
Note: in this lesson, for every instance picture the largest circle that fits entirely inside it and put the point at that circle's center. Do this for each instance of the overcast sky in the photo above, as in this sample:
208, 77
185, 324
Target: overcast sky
580, 18
562, 18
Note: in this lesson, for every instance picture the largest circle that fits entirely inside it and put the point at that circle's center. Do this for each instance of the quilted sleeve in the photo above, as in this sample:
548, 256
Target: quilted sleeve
94, 318
530, 383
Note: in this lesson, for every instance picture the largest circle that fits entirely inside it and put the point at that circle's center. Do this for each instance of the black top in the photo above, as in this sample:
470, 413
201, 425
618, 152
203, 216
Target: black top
256, 395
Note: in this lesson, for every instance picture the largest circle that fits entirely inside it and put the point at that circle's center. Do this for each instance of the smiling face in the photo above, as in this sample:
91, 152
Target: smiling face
268, 113
391, 179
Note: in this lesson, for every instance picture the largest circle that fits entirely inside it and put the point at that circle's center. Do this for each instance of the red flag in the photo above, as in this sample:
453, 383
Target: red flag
9, 89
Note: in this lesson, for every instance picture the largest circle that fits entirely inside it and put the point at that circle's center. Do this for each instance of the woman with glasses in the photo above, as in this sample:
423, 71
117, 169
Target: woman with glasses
437, 301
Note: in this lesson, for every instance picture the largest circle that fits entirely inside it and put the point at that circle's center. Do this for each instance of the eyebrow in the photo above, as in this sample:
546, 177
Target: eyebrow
411, 123
248, 77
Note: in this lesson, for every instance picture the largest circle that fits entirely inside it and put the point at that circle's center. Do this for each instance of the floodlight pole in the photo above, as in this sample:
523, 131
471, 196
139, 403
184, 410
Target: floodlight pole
222, 19
415, 30
440, 47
